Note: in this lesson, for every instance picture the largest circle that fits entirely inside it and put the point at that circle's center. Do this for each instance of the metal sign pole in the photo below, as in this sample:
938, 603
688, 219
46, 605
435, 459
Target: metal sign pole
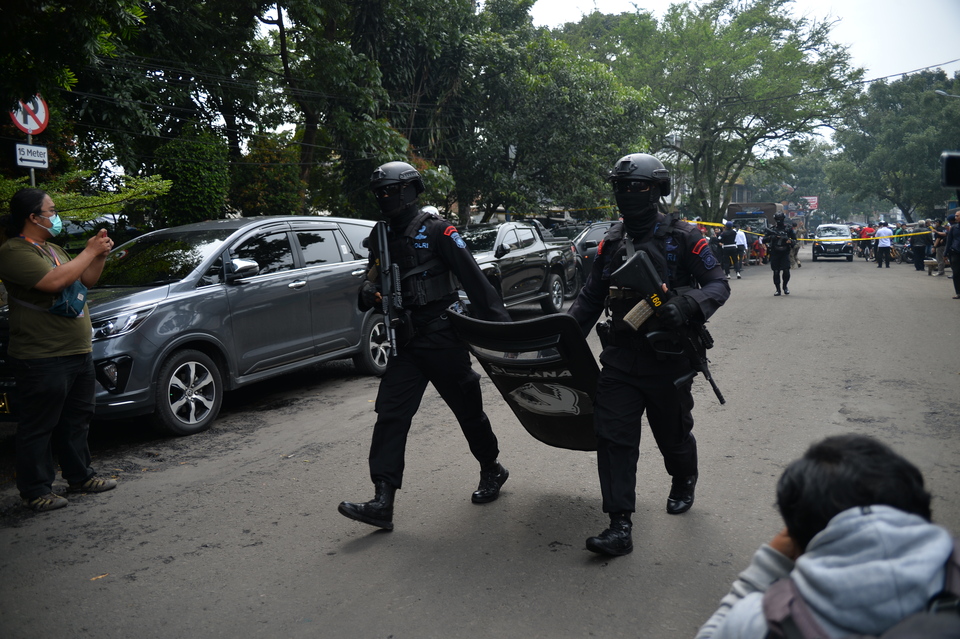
33, 179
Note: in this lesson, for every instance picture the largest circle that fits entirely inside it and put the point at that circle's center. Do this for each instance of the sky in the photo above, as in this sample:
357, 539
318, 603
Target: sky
886, 37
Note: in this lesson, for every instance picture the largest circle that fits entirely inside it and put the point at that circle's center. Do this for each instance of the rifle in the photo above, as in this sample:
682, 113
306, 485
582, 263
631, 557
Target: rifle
639, 274
390, 296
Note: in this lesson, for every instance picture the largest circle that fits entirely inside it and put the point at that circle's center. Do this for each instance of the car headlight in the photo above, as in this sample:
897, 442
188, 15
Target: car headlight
121, 323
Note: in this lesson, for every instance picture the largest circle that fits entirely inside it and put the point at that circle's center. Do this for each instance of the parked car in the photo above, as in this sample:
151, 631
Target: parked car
587, 241
833, 240
75, 233
181, 315
521, 265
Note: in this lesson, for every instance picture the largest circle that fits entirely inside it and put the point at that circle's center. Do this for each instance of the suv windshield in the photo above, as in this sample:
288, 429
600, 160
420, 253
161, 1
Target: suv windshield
833, 231
160, 258
479, 239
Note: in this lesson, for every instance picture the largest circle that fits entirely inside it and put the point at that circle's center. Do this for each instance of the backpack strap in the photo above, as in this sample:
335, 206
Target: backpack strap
788, 616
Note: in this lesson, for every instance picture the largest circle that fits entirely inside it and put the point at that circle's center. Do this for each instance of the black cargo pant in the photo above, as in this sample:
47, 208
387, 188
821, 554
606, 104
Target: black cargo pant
621, 400
401, 390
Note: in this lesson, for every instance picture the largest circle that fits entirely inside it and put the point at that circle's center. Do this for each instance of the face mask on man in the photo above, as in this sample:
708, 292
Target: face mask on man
55, 221
637, 201
395, 199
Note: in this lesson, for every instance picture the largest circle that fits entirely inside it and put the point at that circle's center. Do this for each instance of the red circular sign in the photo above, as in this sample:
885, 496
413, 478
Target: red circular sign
31, 116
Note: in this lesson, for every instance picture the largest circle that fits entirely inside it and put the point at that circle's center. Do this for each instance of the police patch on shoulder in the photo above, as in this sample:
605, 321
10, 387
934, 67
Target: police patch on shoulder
451, 231
709, 259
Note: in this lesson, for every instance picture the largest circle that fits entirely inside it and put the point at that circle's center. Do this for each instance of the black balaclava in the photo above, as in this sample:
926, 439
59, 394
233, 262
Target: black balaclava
398, 207
639, 210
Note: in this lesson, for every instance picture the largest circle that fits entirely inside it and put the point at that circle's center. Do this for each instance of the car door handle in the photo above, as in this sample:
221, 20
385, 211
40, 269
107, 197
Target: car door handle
297, 284
359, 272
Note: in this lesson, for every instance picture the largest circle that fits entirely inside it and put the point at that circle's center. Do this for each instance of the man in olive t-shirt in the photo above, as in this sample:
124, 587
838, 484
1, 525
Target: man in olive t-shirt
35, 334
51, 354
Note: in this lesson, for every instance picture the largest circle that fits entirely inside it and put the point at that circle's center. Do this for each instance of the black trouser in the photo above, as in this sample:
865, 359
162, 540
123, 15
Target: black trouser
780, 262
621, 400
919, 254
883, 254
56, 396
955, 267
401, 389
730, 255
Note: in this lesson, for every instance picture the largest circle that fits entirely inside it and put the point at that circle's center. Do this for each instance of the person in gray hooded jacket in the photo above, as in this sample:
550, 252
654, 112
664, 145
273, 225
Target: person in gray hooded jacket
858, 544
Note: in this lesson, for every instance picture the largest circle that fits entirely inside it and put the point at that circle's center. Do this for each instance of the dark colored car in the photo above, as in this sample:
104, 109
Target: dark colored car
182, 315
833, 240
521, 265
587, 241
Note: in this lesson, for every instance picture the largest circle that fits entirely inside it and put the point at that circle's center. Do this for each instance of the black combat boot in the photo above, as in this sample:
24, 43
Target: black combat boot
491, 479
377, 512
681, 494
616, 539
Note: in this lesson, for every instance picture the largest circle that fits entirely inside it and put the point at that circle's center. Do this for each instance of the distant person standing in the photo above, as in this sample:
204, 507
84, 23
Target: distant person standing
939, 245
953, 252
920, 242
883, 236
795, 249
728, 243
743, 251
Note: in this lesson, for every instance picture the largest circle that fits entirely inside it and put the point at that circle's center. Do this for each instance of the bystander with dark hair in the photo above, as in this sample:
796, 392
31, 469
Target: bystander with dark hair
50, 348
858, 554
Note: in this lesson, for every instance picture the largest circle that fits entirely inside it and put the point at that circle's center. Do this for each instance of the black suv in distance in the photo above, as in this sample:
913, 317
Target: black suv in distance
183, 314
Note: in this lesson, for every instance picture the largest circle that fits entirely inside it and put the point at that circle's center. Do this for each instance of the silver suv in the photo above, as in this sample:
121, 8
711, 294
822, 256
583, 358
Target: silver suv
183, 314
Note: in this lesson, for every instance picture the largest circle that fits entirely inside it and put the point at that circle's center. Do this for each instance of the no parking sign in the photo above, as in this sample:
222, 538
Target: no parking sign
31, 116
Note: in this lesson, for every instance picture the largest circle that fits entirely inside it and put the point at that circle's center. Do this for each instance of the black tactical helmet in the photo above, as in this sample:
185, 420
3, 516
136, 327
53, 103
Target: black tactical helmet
640, 166
396, 173
779, 216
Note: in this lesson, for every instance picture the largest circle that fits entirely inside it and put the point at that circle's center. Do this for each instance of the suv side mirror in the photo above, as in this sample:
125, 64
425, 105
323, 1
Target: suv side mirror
238, 269
502, 250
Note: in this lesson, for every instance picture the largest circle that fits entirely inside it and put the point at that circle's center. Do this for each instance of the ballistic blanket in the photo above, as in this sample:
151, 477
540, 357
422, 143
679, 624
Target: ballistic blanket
545, 371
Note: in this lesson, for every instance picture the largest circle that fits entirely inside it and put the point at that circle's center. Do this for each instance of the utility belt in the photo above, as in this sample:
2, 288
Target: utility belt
407, 329
433, 326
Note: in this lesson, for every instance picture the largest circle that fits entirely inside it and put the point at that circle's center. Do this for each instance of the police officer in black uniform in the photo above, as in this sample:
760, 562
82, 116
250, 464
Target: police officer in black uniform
731, 252
430, 253
636, 377
780, 240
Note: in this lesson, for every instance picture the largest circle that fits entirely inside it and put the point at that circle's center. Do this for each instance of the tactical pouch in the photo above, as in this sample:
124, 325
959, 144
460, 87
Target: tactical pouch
404, 329
603, 332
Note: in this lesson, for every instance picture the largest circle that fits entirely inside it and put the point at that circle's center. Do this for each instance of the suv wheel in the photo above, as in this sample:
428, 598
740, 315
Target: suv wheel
374, 347
553, 303
189, 393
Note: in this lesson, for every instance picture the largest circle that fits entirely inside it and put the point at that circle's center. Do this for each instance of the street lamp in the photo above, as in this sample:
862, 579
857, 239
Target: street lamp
945, 94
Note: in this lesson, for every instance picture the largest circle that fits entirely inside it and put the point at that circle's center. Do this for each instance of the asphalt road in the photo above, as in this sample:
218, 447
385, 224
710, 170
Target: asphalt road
235, 533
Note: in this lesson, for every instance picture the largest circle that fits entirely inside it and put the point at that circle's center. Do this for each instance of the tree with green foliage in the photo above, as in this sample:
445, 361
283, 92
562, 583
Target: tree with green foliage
191, 64
267, 179
196, 164
890, 149
549, 128
44, 43
731, 81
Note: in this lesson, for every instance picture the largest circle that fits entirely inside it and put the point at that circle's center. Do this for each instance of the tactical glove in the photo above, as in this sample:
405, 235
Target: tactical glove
368, 294
679, 311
